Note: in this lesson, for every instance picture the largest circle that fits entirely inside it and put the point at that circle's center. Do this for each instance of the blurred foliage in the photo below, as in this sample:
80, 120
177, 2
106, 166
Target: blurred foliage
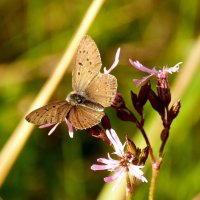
33, 37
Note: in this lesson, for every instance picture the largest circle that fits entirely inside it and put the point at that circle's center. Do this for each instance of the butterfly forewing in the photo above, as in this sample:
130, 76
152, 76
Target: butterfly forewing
82, 117
52, 113
87, 66
102, 89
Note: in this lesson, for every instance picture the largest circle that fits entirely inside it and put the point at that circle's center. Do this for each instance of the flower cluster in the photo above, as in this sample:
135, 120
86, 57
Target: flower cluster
123, 165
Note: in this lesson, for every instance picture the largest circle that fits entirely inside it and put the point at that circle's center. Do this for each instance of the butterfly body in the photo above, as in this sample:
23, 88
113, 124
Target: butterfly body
76, 99
92, 92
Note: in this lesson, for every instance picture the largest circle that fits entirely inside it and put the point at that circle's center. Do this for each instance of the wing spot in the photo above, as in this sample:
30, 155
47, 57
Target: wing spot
83, 51
79, 73
81, 64
90, 62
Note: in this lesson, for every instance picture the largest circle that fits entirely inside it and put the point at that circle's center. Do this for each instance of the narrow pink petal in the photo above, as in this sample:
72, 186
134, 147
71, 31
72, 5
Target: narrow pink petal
119, 175
99, 167
139, 81
140, 67
116, 61
119, 180
111, 134
70, 128
116, 175
108, 161
173, 69
53, 129
137, 172
46, 125
109, 167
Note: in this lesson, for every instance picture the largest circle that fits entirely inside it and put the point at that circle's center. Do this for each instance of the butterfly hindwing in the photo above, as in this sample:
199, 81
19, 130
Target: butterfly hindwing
82, 117
102, 89
52, 113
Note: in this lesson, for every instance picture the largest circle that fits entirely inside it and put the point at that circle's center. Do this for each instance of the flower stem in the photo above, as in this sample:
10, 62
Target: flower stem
18, 139
155, 172
148, 144
129, 188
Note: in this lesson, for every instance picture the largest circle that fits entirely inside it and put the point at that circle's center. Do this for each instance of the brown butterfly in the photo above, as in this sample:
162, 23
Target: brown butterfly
92, 92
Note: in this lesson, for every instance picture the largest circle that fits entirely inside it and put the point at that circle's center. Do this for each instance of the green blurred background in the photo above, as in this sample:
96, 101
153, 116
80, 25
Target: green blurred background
33, 37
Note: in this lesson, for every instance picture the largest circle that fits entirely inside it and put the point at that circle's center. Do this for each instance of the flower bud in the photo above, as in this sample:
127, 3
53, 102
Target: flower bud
131, 147
163, 88
143, 155
98, 132
156, 103
143, 93
137, 105
126, 115
164, 134
105, 121
118, 101
174, 110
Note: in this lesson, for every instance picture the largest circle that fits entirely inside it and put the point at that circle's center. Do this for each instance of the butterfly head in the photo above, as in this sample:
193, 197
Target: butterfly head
75, 99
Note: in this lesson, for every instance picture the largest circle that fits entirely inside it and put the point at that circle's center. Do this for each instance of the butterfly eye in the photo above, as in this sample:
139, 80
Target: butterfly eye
79, 100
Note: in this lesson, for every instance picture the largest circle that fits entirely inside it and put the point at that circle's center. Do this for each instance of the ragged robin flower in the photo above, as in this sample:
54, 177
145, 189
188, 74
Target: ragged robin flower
122, 166
153, 72
161, 78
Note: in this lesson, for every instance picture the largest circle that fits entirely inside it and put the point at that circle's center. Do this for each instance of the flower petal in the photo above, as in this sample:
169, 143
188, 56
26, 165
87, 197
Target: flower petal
70, 128
116, 175
140, 67
108, 161
137, 172
46, 125
173, 69
99, 167
119, 148
139, 81
116, 61
53, 129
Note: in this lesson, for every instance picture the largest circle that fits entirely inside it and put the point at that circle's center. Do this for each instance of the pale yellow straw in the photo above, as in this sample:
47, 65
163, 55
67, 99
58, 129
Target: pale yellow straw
18, 139
188, 69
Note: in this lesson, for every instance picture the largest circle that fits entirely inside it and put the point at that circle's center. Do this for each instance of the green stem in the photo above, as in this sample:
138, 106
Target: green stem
155, 171
153, 183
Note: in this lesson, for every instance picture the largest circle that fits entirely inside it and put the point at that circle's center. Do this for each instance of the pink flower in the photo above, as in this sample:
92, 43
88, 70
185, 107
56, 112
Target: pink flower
122, 165
153, 72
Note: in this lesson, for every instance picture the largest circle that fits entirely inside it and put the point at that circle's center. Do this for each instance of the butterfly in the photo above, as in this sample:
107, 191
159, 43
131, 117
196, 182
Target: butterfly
92, 92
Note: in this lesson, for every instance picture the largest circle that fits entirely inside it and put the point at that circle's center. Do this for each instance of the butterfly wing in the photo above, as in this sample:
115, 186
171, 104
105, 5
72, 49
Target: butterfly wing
83, 117
102, 89
52, 113
87, 65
